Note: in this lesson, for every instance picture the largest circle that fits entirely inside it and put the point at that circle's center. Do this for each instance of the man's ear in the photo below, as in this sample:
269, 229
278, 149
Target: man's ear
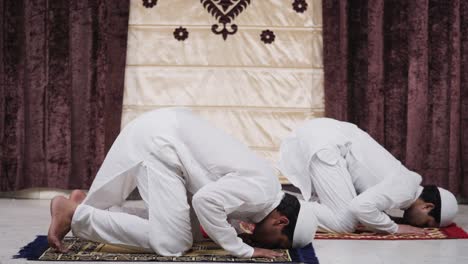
282, 220
428, 206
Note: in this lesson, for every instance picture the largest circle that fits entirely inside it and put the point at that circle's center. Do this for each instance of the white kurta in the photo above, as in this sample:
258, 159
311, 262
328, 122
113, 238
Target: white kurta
353, 177
172, 155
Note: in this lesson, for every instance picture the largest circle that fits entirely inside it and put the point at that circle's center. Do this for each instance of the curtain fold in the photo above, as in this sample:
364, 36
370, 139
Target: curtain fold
398, 69
62, 76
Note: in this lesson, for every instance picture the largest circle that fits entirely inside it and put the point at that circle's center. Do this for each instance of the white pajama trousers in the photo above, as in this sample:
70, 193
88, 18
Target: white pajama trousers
334, 189
166, 231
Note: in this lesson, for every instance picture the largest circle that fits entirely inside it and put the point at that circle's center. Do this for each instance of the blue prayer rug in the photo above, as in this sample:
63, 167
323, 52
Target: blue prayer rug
206, 251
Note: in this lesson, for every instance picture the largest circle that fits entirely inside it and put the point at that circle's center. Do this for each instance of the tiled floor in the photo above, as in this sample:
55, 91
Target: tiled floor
21, 220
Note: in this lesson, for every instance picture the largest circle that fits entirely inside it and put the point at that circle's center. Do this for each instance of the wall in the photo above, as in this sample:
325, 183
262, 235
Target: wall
257, 90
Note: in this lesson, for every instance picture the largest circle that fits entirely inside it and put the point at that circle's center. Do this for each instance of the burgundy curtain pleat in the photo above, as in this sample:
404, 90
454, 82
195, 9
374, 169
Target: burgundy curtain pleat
463, 141
398, 69
62, 66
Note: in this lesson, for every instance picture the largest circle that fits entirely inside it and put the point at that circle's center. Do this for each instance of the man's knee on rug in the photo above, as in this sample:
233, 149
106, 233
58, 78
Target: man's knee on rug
116, 228
170, 245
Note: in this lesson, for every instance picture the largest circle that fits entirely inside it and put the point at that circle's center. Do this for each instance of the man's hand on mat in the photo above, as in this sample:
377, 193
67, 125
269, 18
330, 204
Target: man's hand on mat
407, 229
265, 253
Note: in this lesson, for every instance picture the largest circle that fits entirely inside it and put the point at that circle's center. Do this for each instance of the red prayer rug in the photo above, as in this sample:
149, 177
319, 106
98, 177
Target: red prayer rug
450, 232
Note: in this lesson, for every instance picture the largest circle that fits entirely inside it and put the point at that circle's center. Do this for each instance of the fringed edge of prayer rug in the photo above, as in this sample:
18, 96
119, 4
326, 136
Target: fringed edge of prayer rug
304, 255
80, 250
450, 232
34, 249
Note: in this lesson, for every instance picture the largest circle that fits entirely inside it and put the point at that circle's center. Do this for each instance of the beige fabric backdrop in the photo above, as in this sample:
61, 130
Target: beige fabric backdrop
255, 91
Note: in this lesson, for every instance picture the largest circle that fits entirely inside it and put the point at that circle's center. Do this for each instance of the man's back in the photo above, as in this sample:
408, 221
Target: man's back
369, 163
208, 154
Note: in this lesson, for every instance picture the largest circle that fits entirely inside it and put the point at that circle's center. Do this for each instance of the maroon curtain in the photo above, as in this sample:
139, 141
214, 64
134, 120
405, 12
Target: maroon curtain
61, 72
399, 70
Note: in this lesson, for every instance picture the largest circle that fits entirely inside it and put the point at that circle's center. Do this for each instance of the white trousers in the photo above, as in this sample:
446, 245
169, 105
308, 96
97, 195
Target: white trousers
167, 229
333, 186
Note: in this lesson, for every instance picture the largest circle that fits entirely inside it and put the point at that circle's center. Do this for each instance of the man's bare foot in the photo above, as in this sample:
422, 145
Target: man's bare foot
77, 196
61, 210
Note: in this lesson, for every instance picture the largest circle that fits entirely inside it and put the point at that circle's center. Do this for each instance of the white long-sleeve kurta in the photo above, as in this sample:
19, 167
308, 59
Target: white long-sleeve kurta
172, 155
354, 178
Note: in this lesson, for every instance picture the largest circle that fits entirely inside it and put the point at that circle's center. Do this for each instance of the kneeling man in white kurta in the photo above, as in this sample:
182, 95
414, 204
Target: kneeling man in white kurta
354, 179
188, 173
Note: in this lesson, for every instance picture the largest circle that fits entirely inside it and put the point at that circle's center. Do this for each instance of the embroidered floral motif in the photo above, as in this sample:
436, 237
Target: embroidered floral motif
225, 11
267, 36
149, 3
300, 6
181, 33
225, 4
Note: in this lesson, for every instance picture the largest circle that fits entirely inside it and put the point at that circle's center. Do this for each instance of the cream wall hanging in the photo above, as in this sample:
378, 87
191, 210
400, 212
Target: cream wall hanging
252, 67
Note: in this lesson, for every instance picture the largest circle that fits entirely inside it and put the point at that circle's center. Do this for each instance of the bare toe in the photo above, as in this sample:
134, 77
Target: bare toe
55, 243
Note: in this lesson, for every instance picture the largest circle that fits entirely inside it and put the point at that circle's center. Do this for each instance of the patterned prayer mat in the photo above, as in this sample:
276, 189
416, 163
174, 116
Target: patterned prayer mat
449, 232
207, 251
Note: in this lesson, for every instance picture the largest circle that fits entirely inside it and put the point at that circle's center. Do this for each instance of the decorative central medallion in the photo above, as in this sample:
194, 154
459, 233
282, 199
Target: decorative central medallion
225, 11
